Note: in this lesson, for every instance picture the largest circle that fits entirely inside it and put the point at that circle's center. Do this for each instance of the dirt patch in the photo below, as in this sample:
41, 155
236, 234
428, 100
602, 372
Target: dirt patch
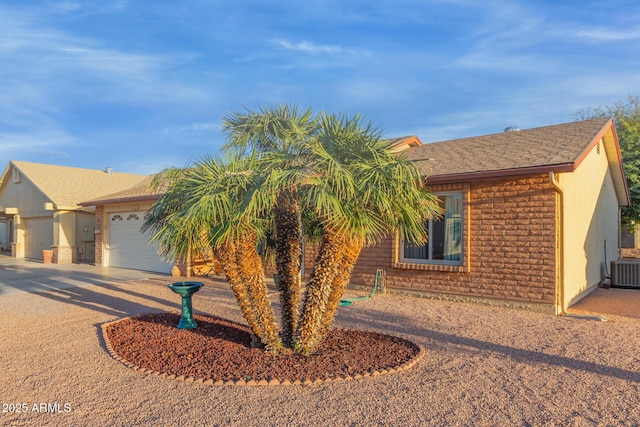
219, 350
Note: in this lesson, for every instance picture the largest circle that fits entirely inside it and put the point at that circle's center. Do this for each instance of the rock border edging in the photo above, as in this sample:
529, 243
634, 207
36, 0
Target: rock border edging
271, 382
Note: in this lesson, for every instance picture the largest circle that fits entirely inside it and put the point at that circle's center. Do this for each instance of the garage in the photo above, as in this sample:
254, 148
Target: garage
38, 235
128, 247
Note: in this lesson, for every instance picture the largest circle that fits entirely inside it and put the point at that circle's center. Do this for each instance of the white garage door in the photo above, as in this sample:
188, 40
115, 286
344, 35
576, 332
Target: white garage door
38, 235
128, 246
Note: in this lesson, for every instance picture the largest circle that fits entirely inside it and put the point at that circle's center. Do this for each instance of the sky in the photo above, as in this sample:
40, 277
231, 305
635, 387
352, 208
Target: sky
139, 86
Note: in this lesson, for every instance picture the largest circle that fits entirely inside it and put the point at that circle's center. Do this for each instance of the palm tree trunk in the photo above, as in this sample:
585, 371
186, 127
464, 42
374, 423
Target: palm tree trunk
352, 249
226, 255
317, 293
288, 257
252, 273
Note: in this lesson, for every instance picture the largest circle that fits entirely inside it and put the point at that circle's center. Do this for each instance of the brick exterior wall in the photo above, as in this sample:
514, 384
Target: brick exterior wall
99, 238
65, 254
510, 247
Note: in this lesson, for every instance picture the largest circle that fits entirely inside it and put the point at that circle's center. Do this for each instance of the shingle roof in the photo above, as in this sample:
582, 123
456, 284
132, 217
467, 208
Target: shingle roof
402, 143
558, 146
67, 186
140, 191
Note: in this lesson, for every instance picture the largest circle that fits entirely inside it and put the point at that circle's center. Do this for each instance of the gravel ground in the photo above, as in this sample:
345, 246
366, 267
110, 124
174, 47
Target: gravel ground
484, 366
219, 351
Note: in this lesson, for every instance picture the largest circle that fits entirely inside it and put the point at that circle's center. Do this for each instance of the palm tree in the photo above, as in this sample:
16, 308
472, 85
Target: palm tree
361, 192
202, 210
278, 137
282, 163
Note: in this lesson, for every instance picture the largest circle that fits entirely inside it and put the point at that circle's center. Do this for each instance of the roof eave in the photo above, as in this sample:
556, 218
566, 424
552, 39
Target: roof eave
144, 198
473, 176
404, 143
609, 137
614, 156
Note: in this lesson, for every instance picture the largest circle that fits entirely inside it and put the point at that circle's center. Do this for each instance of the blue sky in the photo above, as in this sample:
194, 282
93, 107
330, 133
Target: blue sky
142, 85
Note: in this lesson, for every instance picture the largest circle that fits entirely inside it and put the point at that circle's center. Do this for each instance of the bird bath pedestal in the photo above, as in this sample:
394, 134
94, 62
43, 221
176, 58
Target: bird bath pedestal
185, 290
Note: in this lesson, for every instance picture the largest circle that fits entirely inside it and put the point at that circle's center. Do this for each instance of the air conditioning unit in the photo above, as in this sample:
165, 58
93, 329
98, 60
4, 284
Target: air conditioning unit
625, 273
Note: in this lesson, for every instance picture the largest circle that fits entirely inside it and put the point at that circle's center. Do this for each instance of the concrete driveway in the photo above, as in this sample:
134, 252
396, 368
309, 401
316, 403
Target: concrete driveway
20, 275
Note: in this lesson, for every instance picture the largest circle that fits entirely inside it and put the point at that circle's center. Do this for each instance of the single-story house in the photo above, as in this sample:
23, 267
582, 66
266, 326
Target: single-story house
39, 208
532, 217
119, 241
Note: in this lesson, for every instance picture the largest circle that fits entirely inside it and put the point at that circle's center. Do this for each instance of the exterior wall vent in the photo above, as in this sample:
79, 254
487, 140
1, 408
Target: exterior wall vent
15, 176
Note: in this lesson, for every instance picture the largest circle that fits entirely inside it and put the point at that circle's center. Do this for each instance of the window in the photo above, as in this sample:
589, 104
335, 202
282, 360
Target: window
445, 236
116, 217
133, 217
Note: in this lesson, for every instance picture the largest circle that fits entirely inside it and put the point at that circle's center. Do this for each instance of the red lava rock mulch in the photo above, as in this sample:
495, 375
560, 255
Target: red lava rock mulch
218, 352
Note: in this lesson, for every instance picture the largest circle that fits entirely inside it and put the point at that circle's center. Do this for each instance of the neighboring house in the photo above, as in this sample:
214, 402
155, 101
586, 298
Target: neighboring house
532, 217
4, 242
119, 241
39, 208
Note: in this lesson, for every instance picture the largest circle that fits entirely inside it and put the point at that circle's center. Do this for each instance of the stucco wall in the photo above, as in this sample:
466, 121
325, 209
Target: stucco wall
510, 229
590, 211
24, 196
29, 202
64, 232
73, 237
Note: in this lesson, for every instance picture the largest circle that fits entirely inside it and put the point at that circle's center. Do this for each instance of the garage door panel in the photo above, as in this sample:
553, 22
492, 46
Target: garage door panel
38, 236
128, 247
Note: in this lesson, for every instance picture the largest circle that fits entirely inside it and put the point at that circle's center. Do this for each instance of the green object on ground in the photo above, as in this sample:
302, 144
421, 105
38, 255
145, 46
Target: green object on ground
349, 301
186, 290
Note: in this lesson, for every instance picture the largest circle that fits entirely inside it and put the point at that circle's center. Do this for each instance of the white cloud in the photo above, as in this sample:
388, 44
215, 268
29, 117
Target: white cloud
57, 84
318, 49
45, 143
66, 6
309, 47
57, 61
606, 34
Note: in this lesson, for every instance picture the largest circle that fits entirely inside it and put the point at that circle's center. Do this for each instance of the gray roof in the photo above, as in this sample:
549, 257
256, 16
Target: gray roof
549, 147
556, 148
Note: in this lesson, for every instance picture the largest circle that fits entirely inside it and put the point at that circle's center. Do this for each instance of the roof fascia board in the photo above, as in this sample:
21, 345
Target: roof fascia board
404, 143
144, 198
609, 137
614, 156
3, 177
535, 170
69, 208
